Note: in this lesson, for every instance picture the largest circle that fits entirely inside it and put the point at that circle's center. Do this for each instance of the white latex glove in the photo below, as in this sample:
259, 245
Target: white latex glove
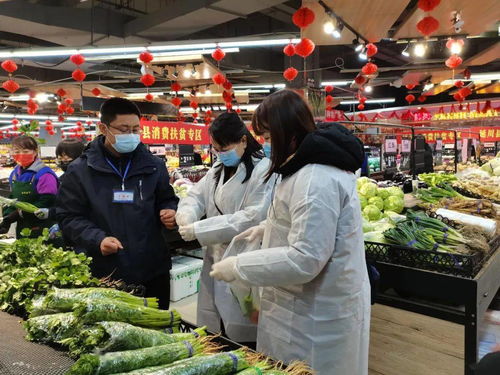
187, 232
225, 270
251, 234
42, 213
182, 219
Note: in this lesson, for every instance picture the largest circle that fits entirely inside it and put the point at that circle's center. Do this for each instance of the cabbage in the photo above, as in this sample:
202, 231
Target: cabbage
372, 212
495, 163
395, 191
496, 171
361, 181
383, 193
487, 168
367, 226
369, 190
394, 217
394, 203
377, 201
363, 201
377, 236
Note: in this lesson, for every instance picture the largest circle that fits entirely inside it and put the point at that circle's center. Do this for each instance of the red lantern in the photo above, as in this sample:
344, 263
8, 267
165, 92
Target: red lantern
305, 47
10, 85
329, 88
31, 111
359, 80
290, 74
61, 92
60, 118
49, 128
68, 101
77, 59
96, 91
227, 85
208, 112
176, 86
361, 106
427, 25
78, 75
369, 69
238, 110
371, 49
51, 132
458, 97
459, 84
148, 80
329, 98
218, 54
149, 97
48, 122
61, 108
289, 50
422, 98
193, 104
303, 17
465, 92
15, 121
219, 79
226, 95
176, 101
146, 57
362, 100
195, 115
410, 98
9, 66
428, 5
453, 62
79, 124
410, 86
70, 110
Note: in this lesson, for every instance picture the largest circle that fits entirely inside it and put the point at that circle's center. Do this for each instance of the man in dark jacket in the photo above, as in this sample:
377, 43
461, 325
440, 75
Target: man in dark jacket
114, 201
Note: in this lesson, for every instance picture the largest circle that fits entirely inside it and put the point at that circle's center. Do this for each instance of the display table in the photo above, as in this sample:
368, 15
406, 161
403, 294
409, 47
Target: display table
19, 356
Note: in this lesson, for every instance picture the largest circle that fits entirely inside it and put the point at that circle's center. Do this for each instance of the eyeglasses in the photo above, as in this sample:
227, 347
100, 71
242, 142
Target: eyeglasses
127, 129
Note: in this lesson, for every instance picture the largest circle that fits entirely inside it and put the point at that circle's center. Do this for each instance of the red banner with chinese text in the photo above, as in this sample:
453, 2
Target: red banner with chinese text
161, 132
487, 134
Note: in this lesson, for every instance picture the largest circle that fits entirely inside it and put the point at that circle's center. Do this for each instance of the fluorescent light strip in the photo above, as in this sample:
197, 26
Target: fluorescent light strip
160, 54
336, 83
369, 101
264, 86
21, 116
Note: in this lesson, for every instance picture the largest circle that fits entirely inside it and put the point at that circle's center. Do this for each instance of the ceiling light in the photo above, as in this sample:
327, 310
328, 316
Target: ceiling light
328, 27
186, 73
368, 89
362, 55
338, 31
405, 52
175, 74
384, 100
194, 72
357, 45
456, 48
428, 86
208, 92
336, 83
42, 97
419, 50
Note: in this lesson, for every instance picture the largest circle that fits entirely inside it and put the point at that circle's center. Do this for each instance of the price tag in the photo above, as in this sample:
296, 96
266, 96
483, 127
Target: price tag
391, 145
439, 144
405, 145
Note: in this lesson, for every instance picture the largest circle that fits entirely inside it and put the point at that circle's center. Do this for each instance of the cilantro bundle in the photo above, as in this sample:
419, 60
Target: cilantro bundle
51, 328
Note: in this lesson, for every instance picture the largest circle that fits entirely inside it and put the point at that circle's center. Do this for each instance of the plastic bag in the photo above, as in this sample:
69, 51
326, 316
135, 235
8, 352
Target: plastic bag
248, 297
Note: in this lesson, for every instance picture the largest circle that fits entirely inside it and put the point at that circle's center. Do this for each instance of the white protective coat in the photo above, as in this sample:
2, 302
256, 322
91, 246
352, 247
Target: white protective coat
316, 299
244, 206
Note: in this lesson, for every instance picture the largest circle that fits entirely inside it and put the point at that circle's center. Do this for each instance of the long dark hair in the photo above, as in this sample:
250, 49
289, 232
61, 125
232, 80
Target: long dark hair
228, 128
288, 118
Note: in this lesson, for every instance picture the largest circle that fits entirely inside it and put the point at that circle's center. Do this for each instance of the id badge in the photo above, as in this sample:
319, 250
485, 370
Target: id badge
123, 196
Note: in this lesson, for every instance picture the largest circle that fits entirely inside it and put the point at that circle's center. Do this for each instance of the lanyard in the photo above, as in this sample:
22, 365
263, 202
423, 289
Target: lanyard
124, 176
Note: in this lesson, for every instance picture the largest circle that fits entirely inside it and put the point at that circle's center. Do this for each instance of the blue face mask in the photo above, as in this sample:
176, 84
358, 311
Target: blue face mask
229, 158
267, 149
126, 143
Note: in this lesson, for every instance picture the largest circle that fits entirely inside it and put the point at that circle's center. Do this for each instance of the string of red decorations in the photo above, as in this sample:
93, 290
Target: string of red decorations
78, 74
147, 79
10, 85
428, 25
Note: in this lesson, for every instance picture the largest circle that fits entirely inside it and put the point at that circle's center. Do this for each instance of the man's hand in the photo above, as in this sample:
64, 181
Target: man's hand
167, 217
110, 245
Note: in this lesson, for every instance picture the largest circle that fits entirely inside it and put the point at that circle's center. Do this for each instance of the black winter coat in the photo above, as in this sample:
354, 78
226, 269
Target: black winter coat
86, 212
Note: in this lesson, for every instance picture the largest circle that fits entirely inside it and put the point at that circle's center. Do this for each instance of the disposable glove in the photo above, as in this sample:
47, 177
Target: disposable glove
187, 232
225, 270
183, 219
42, 213
252, 234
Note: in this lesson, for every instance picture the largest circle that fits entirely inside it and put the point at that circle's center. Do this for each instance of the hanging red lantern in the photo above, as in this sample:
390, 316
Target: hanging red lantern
61, 92
422, 98
465, 91
9, 66
428, 5
195, 115
290, 74
14, 121
226, 95
369, 69
149, 97
329, 88
466, 73
453, 62
193, 104
305, 47
49, 128
303, 17
219, 79
427, 25
410, 86
227, 85
68, 101
78, 75
10, 85
96, 91
175, 86
361, 106
459, 84
148, 80
218, 54
359, 80
371, 49
289, 50
451, 42
31, 111
329, 98
238, 110
77, 59
61, 108
79, 124
176, 101
48, 122
458, 97
362, 100
208, 112
146, 57
410, 98
70, 110
60, 118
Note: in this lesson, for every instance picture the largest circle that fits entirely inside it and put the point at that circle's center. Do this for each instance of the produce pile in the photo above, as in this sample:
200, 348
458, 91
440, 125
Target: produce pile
492, 166
375, 201
484, 186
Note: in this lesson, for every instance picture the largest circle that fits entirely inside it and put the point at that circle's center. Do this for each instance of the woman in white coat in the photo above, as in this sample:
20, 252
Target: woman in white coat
234, 196
316, 298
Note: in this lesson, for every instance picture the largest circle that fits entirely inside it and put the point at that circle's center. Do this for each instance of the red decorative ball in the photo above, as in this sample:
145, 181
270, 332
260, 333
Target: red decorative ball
148, 80
70, 110
176, 101
218, 54
458, 97
193, 104
410, 86
459, 84
208, 112
290, 74
48, 122
453, 62
361, 106
61, 92
61, 108
79, 124
96, 91
227, 85
175, 86
329, 88
10, 85
219, 78
31, 111
362, 100
422, 98
15, 121
427, 25
51, 132
149, 97
329, 98
195, 115
9, 66
238, 110
146, 57
78, 75
68, 101
77, 59
369, 69
410, 98
428, 5
60, 118
49, 128
465, 92
359, 80
305, 47
371, 49
289, 50
303, 17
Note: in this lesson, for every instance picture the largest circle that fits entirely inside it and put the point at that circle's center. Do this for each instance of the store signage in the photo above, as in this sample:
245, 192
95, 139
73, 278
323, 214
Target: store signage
160, 132
391, 145
439, 144
488, 134
405, 145
186, 156
465, 115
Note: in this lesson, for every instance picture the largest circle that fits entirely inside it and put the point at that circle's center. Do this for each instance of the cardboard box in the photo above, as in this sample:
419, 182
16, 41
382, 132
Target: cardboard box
184, 277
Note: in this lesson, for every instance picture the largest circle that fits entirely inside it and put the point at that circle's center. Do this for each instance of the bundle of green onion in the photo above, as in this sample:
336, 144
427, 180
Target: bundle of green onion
434, 194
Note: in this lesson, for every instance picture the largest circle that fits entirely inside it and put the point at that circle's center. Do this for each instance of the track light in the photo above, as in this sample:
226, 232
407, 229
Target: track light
405, 52
338, 31
175, 74
357, 45
362, 55
328, 27
419, 50
368, 89
186, 73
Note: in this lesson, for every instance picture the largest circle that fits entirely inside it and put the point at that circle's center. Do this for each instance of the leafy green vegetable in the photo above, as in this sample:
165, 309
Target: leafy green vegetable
383, 193
372, 213
361, 181
51, 328
377, 201
435, 179
363, 201
395, 191
368, 190
394, 203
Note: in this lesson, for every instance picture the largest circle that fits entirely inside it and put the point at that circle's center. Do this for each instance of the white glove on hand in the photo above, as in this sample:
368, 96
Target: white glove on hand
42, 213
187, 232
225, 270
251, 234
182, 219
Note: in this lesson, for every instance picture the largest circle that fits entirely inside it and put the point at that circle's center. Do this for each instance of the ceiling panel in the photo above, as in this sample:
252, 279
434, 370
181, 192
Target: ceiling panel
485, 56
